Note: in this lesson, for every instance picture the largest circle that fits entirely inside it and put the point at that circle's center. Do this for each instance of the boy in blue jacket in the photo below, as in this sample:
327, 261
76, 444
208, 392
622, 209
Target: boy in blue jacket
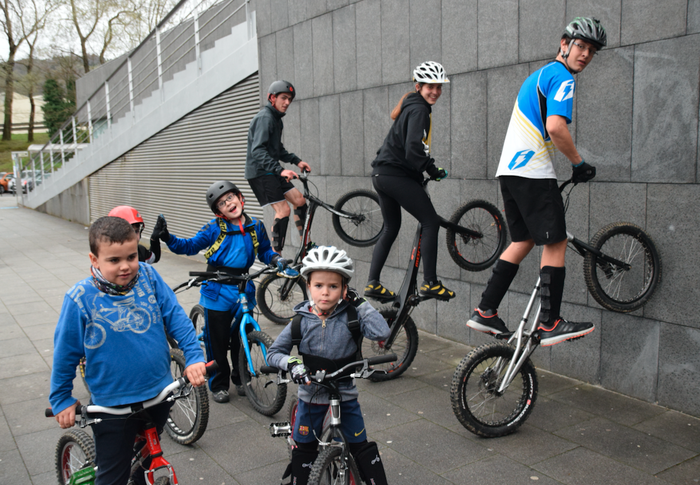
328, 342
234, 240
116, 320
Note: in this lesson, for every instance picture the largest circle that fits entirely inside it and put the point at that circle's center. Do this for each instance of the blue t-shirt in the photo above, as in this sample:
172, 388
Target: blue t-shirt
528, 150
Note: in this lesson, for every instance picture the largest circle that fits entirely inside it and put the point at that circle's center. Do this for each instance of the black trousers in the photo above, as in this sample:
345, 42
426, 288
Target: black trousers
403, 192
219, 336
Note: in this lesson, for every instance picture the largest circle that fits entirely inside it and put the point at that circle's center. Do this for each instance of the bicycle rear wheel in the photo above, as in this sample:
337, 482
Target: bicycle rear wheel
366, 224
277, 296
197, 317
405, 347
189, 415
329, 469
75, 451
262, 390
477, 254
292, 419
610, 285
476, 402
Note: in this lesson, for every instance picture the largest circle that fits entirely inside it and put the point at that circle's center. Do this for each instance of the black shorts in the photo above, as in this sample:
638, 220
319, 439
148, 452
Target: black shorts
534, 210
270, 188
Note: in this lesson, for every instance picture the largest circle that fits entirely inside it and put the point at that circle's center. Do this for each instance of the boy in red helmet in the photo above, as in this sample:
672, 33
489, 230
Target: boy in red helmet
147, 255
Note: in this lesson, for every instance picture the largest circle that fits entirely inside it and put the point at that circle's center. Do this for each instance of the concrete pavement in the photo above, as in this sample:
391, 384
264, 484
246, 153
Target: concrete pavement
577, 433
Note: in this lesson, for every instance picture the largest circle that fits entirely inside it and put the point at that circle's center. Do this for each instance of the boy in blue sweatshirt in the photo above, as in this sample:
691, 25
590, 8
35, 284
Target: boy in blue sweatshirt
117, 320
328, 342
234, 240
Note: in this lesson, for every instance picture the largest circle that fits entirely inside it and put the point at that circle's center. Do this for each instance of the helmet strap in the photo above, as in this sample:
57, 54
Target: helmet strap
565, 56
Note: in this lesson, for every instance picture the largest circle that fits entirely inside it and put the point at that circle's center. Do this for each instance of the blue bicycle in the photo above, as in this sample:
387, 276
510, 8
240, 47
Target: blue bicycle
266, 393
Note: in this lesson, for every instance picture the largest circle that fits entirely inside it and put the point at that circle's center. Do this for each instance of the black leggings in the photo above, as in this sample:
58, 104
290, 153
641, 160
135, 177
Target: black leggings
395, 193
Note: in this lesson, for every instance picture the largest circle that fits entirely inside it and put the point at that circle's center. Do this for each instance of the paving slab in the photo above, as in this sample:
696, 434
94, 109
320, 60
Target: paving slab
498, 469
675, 427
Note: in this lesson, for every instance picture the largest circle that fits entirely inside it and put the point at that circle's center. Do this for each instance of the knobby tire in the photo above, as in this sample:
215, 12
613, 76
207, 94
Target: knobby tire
327, 466
477, 254
73, 451
365, 205
405, 347
265, 395
189, 415
273, 305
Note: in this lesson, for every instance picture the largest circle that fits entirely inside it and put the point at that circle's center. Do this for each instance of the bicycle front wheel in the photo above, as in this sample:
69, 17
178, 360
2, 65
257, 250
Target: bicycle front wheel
292, 419
405, 347
189, 415
477, 254
476, 402
366, 222
330, 469
277, 296
75, 451
262, 390
197, 317
614, 287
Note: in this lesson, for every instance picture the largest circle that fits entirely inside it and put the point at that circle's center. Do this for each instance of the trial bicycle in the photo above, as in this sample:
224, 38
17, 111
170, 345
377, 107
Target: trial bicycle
494, 388
357, 219
334, 464
75, 450
476, 236
266, 394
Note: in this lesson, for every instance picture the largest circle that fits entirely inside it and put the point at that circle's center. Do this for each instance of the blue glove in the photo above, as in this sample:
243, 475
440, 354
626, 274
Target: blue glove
283, 269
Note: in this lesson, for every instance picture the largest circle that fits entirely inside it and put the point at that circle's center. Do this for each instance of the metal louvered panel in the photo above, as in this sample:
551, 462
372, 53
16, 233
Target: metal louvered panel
170, 173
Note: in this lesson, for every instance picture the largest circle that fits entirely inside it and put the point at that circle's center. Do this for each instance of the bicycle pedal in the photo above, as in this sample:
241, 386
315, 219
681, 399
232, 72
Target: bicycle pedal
280, 430
380, 299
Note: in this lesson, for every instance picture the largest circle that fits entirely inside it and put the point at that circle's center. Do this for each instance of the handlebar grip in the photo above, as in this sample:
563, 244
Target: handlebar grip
211, 367
382, 359
48, 412
202, 274
266, 369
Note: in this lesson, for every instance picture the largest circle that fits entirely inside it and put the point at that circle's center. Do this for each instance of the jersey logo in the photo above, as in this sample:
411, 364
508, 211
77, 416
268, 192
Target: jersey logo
520, 159
566, 91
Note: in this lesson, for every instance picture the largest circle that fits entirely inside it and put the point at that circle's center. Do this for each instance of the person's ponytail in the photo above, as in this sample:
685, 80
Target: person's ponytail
397, 109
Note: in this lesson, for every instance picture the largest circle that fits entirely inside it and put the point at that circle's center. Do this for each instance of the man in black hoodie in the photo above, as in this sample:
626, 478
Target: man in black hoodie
398, 176
269, 181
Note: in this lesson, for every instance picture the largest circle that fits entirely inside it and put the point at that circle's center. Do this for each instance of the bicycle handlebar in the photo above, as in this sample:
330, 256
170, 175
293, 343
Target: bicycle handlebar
321, 375
199, 277
171, 388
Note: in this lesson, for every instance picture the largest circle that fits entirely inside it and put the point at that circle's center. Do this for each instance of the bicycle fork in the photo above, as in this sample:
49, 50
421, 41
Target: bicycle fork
153, 450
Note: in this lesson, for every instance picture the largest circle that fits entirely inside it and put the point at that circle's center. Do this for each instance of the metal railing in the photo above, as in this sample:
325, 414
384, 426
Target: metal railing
190, 28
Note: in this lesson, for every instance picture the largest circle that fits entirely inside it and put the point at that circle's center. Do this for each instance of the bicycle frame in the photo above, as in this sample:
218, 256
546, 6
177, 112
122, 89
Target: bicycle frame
246, 320
153, 449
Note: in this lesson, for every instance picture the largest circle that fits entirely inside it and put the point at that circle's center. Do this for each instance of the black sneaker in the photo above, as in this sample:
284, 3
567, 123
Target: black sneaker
487, 322
563, 330
221, 396
436, 289
240, 390
374, 289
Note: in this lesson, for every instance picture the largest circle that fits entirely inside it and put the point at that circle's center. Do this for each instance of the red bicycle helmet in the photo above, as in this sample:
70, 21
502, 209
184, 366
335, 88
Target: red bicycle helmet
130, 215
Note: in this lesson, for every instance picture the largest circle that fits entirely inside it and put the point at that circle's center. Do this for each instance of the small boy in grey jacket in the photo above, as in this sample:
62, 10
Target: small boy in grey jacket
327, 341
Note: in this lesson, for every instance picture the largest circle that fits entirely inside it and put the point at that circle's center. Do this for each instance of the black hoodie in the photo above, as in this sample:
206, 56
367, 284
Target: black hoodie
406, 149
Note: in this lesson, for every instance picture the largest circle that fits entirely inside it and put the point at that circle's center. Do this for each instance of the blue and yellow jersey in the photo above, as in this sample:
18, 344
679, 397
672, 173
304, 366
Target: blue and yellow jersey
528, 150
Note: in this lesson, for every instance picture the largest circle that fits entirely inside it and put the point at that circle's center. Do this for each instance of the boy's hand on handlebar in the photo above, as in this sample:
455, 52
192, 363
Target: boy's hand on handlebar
288, 174
304, 166
283, 268
436, 173
582, 173
196, 373
297, 370
66, 418
160, 230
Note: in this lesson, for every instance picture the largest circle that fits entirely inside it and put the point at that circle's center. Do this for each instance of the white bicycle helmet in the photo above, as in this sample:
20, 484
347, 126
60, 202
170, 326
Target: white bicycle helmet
430, 73
328, 258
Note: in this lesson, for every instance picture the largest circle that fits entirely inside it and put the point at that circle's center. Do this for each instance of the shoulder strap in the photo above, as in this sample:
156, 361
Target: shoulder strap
296, 330
225, 232
355, 330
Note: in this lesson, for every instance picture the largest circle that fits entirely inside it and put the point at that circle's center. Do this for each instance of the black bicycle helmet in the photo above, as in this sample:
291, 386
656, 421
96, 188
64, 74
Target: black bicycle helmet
588, 29
216, 190
278, 87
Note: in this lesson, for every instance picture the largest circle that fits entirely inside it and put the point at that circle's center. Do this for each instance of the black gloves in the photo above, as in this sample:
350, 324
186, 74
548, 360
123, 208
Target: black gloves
436, 173
582, 173
354, 297
160, 231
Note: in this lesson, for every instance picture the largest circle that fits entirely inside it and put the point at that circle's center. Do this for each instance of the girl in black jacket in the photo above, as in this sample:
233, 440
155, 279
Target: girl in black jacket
398, 175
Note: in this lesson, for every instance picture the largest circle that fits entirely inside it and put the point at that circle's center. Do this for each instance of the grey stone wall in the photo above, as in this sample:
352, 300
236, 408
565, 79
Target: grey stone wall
72, 204
635, 119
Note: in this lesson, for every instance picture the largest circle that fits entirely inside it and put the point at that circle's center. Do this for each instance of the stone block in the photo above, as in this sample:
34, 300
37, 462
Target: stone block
452, 318
459, 36
268, 63
336, 4
579, 359
540, 27
503, 87
303, 61
425, 20
630, 355
468, 130
441, 141
296, 11
577, 223
376, 121
316, 8
676, 236
647, 20
285, 55
369, 43
693, 16
665, 121
352, 150
497, 25
396, 65
310, 139
329, 133
607, 11
322, 34
679, 368
443, 195
278, 15
614, 203
344, 50
263, 21
604, 93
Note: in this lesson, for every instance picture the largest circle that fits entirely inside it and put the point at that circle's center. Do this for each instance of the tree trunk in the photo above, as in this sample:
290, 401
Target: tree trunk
32, 104
9, 94
83, 46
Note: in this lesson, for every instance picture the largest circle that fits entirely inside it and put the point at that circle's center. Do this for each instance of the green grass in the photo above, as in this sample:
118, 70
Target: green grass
18, 143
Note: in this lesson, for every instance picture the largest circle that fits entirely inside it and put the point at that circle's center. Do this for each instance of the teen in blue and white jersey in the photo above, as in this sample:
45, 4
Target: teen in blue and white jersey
528, 149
